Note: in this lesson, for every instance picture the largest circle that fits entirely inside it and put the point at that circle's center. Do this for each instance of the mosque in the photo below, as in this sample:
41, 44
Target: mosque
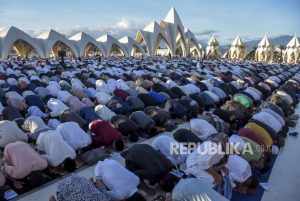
168, 37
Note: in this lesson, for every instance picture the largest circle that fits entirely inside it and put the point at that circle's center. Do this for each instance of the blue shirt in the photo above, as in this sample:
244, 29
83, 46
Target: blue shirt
159, 99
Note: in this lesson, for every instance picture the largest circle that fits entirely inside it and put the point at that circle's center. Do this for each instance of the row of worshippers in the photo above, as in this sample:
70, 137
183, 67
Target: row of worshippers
69, 103
256, 130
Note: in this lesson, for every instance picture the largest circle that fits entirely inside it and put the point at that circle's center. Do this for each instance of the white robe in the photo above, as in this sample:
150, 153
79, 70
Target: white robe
74, 135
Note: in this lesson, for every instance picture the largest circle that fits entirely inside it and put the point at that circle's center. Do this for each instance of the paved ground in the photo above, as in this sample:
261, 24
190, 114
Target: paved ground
284, 179
285, 176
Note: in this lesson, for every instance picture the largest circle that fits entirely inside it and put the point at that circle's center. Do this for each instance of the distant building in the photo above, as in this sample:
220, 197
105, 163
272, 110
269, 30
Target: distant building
265, 51
237, 50
167, 37
213, 50
292, 52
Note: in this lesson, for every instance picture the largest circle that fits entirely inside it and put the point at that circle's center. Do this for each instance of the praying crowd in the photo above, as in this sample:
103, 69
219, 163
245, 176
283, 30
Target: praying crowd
58, 117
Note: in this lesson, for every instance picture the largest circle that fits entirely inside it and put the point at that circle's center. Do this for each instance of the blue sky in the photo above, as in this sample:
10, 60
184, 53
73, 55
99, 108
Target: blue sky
225, 18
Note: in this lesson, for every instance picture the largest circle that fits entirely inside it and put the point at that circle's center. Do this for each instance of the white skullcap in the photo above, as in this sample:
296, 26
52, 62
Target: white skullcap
90, 125
236, 141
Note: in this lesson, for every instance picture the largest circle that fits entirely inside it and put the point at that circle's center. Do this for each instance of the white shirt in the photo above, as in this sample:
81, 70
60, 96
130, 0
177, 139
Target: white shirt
92, 91
121, 182
201, 159
141, 90
102, 87
74, 135
53, 89
275, 115
268, 119
102, 98
56, 107
14, 95
104, 112
36, 111
219, 92
67, 74
55, 148
27, 93
34, 124
190, 89
31, 73
12, 81
122, 85
239, 169
10, 132
77, 85
168, 147
202, 128
131, 84
63, 95
110, 88
254, 92
77, 81
237, 85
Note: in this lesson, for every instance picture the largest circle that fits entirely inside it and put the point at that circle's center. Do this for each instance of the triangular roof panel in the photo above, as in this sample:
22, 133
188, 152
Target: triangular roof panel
213, 41
294, 43
237, 41
172, 16
264, 42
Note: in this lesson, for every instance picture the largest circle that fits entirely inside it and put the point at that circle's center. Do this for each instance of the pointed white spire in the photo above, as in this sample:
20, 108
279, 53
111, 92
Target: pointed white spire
152, 26
172, 16
213, 41
294, 42
237, 41
264, 42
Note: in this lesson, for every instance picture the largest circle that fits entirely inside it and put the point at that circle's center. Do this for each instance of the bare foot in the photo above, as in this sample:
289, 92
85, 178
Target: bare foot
99, 184
52, 198
18, 184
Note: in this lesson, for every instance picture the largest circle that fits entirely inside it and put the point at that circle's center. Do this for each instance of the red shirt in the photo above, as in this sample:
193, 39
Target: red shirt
121, 94
104, 133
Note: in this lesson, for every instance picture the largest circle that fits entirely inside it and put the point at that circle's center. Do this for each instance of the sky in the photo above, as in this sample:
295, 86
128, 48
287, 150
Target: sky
225, 19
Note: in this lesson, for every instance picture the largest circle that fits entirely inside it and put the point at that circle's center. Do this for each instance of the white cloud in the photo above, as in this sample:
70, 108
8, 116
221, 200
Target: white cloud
120, 28
124, 24
2, 28
206, 32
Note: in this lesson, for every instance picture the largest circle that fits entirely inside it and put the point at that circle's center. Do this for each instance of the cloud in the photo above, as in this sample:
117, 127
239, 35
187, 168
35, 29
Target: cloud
120, 28
206, 32
2, 28
205, 35
124, 24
